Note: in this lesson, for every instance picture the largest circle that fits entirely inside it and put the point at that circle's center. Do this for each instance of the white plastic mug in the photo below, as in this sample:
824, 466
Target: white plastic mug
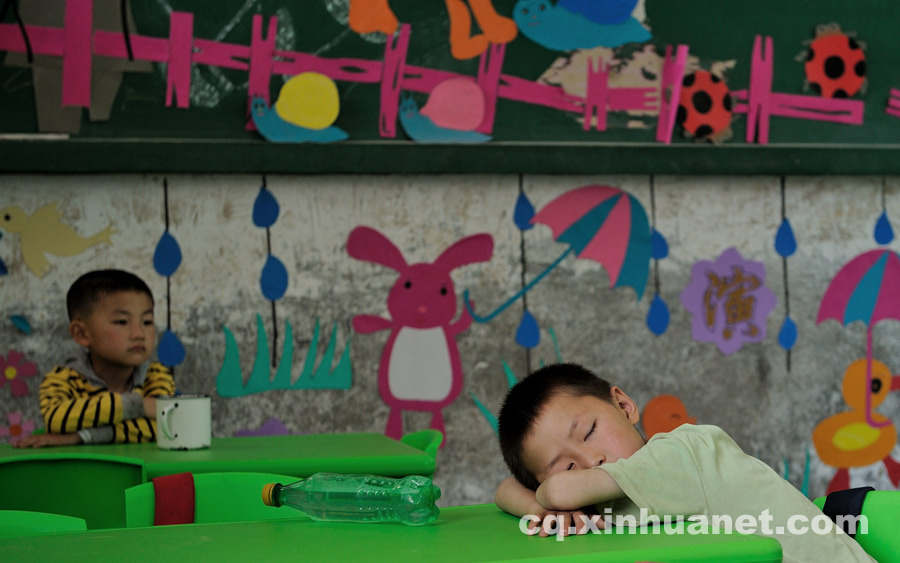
183, 422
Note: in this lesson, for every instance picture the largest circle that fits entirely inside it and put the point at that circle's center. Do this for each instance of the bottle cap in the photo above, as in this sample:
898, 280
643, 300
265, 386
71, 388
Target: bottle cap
268, 494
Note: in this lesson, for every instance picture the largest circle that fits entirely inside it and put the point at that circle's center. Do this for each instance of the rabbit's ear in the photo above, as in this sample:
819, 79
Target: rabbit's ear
365, 243
475, 248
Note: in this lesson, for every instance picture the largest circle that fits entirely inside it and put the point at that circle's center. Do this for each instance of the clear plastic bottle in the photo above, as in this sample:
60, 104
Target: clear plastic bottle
359, 498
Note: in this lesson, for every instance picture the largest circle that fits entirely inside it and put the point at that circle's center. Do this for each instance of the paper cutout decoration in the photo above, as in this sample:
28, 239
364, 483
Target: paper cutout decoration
3, 269
762, 103
422, 304
867, 289
600, 223
884, 232
44, 233
17, 429
273, 279
728, 301
62, 66
367, 16
835, 65
578, 24
664, 413
455, 103
271, 427
523, 212
422, 129
278, 129
528, 335
705, 109
230, 380
13, 369
658, 314
166, 260
893, 103
786, 246
847, 439
21, 323
670, 85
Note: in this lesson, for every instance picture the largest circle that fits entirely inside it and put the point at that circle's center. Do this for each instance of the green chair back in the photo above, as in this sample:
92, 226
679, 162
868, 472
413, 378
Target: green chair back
25, 522
880, 540
218, 497
429, 441
87, 486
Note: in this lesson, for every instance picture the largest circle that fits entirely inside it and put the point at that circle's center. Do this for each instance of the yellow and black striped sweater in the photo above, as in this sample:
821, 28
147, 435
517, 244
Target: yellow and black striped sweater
74, 399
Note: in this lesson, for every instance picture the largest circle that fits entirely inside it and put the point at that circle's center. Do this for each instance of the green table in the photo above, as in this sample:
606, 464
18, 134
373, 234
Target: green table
298, 455
464, 533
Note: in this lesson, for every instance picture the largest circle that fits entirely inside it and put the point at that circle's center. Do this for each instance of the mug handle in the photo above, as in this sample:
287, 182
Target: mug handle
164, 421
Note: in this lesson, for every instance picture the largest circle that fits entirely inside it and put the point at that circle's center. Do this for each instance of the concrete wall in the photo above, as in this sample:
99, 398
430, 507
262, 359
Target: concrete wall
769, 410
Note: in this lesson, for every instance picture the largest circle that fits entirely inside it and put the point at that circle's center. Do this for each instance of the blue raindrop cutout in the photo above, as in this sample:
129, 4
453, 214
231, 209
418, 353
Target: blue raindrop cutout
21, 323
171, 350
658, 316
785, 243
265, 209
167, 256
523, 213
659, 248
274, 279
884, 233
528, 334
787, 336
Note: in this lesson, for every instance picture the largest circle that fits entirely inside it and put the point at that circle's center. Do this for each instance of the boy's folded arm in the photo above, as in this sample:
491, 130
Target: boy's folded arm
516, 499
570, 490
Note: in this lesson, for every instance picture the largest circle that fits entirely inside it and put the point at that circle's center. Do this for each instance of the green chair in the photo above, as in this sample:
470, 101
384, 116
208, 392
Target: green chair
25, 522
879, 538
429, 441
218, 497
83, 485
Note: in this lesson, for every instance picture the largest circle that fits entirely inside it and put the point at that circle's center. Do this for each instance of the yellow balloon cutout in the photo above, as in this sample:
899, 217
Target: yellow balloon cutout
309, 100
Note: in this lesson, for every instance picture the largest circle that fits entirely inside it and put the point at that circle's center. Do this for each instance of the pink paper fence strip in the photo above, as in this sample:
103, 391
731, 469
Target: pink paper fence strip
819, 109
760, 91
894, 102
892, 111
77, 56
672, 77
109, 44
490, 66
178, 72
262, 49
391, 81
48, 41
595, 99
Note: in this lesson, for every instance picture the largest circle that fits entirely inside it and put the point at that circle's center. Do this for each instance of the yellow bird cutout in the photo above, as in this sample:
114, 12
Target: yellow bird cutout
44, 233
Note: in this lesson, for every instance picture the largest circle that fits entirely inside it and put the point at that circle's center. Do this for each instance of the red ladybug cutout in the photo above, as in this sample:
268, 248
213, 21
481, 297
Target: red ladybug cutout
835, 63
704, 110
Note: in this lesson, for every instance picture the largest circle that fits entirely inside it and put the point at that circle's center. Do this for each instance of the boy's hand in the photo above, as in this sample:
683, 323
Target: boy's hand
42, 440
150, 407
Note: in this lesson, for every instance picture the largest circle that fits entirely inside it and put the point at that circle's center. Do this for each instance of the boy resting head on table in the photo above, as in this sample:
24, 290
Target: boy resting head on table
107, 393
570, 442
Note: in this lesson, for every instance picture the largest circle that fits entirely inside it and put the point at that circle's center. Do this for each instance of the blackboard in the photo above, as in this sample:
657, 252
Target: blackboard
143, 135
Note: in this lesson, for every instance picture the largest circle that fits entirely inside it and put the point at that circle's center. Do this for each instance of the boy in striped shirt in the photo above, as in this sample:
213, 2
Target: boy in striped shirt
108, 393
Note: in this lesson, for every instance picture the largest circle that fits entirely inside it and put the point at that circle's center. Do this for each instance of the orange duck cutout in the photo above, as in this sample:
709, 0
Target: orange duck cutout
848, 439
664, 413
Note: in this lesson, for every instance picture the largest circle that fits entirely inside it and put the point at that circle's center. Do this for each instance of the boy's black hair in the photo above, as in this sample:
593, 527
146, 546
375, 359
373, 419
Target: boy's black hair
527, 398
84, 293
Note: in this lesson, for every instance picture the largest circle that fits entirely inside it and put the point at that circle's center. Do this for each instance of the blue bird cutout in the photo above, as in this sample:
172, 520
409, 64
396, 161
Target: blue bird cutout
560, 29
422, 129
273, 128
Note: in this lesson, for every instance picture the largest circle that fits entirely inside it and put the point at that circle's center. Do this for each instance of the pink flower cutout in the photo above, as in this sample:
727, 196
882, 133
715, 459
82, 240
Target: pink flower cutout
16, 429
13, 369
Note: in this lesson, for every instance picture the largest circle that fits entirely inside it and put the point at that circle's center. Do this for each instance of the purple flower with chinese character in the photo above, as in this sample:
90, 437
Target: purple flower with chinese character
14, 369
729, 301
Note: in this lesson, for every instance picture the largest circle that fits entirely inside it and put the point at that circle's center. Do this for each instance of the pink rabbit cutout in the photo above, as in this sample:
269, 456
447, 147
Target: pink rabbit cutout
420, 369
